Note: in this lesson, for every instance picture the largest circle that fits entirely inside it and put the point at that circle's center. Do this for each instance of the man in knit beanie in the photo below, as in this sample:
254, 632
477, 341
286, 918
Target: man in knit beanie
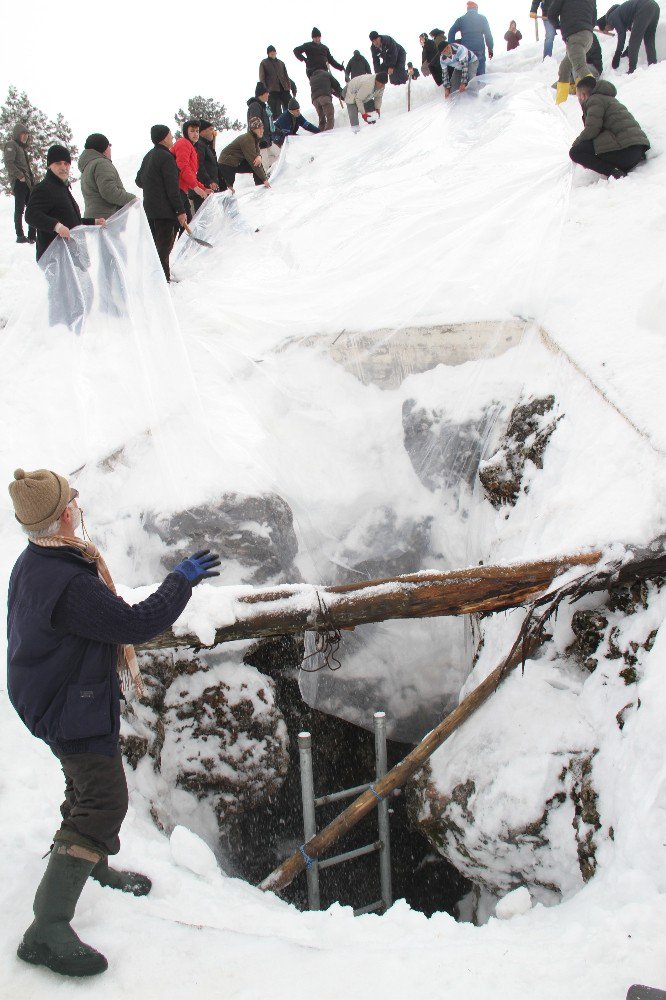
316, 55
158, 178
68, 653
101, 186
52, 209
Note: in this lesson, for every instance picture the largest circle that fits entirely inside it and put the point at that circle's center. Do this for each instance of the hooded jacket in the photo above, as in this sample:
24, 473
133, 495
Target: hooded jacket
158, 178
475, 32
244, 147
17, 162
273, 74
608, 124
357, 66
51, 201
324, 84
257, 109
571, 16
316, 55
187, 159
101, 187
362, 89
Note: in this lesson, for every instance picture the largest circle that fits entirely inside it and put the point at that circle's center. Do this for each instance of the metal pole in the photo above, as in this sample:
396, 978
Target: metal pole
309, 820
383, 812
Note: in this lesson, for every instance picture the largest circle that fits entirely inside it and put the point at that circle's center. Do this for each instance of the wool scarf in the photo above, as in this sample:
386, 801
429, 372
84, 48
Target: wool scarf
129, 673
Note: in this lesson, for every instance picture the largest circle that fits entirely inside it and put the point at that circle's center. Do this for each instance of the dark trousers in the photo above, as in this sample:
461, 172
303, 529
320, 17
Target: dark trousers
399, 74
21, 195
643, 30
278, 101
164, 234
228, 174
607, 163
95, 802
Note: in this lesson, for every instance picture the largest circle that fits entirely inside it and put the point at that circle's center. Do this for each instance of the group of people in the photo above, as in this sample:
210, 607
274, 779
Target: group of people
177, 175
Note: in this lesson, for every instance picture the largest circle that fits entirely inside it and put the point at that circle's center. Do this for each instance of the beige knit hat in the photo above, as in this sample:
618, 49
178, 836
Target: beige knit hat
39, 497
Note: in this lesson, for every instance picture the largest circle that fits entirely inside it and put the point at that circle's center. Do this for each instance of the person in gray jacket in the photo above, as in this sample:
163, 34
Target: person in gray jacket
102, 189
364, 94
641, 18
20, 177
612, 142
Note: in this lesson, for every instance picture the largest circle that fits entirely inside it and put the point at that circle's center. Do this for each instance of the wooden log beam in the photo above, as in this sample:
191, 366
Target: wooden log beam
290, 610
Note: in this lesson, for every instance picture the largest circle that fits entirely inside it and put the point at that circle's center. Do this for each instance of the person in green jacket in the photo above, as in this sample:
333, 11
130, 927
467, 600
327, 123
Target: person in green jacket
101, 186
612, 142
243, 156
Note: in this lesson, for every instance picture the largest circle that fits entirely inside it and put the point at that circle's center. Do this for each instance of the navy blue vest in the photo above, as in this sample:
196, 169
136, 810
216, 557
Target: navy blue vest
63, 686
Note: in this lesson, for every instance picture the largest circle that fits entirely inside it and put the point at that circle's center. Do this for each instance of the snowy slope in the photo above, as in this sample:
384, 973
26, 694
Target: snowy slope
463, 211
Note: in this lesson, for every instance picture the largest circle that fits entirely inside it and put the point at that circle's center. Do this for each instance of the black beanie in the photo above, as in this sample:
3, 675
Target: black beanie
261, 88
373, 35
57, 153
159, 132
203, 125
442, 46
97, 141
316, 33
271, 48
293, 105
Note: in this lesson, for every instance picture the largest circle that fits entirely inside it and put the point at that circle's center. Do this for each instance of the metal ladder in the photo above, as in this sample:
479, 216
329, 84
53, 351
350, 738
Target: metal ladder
382, 845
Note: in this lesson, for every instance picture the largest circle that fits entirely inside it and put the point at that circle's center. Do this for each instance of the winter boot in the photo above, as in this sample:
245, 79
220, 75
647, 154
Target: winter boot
137, 884
50, 940
562, 92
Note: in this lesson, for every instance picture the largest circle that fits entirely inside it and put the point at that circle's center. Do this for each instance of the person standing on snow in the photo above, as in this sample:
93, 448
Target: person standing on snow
315, 55
475, 34
243, 156
388, 56
459, 66
576, 20
358, 65
20, 177
364, 94
68, 653
513, 37
273, 74
207, 172
101, 186
158, 177
322, 87
258, 107
612, 142
641, 18
187, 159
547, 24
52, 209
290, 121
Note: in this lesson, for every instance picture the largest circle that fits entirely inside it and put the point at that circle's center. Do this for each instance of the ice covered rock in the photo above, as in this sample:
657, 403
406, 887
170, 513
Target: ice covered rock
382, 544
189, 851
514, 904
253, 534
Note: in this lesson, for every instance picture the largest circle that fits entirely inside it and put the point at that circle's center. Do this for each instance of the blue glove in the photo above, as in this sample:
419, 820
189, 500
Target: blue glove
199, 566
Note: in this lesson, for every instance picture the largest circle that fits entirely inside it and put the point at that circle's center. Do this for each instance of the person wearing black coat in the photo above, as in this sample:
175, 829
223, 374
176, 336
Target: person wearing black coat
52, 209
641, 18
358, 65
158, 178
315, 55
258, 107
430, 64
207, 172
388, 56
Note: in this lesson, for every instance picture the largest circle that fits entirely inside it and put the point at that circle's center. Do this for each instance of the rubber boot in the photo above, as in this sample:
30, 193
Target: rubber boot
134, 882
50, 940
561, 93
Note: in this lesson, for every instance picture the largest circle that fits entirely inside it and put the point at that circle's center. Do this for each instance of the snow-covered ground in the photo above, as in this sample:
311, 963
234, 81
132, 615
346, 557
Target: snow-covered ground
461, 211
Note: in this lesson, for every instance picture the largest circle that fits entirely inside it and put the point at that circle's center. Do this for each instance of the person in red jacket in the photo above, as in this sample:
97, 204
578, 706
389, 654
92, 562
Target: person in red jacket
187, 158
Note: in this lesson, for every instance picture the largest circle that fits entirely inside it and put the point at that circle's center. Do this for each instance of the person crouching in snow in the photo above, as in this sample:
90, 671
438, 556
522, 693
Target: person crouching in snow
243, 156
612, 142
363, 91
67, 657
459, 65
289, 122
513, 37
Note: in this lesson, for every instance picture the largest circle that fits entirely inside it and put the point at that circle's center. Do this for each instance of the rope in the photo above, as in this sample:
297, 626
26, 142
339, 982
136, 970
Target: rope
309, 862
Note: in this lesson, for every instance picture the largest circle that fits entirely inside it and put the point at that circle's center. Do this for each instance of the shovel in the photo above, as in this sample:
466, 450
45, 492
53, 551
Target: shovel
202, 243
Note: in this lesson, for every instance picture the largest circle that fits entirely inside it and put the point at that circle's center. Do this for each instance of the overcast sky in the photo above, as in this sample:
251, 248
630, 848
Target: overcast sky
119, 68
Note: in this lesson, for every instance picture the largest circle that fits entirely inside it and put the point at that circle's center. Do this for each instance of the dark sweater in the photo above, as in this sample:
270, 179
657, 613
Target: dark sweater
158, 177
51, 201
64, 627
571, 16
316, 55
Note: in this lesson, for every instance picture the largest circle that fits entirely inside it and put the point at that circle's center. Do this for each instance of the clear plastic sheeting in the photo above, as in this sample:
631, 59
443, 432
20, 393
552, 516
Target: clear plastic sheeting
216, 222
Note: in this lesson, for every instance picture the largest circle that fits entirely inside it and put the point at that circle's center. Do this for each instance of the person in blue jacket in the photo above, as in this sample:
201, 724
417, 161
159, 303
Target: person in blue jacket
289, 122
641, 18
475, 34
68, 654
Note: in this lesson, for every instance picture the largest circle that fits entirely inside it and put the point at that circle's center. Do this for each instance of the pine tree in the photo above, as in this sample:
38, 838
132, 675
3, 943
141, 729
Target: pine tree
18, 109
209, 109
